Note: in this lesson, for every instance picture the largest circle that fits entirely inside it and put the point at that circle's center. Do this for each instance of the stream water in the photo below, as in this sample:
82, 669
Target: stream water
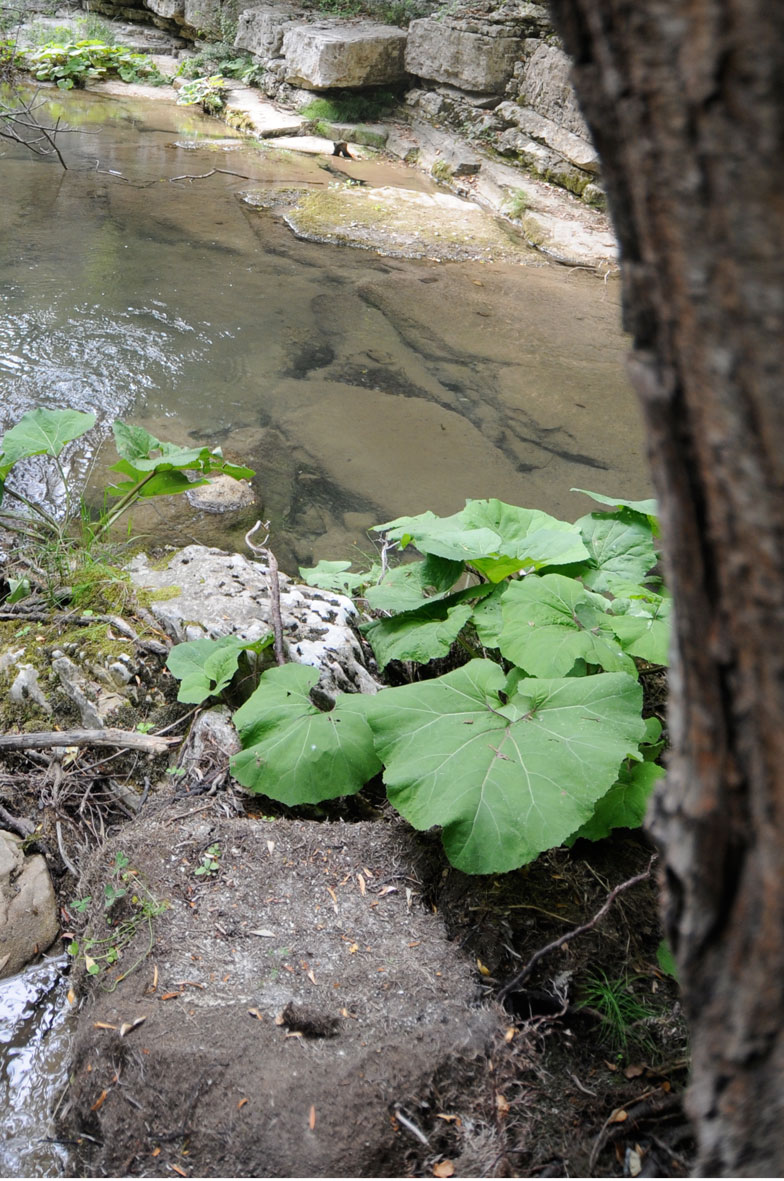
357, 386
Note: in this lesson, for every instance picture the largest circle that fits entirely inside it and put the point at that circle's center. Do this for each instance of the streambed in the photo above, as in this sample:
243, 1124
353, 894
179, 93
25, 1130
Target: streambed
359, 385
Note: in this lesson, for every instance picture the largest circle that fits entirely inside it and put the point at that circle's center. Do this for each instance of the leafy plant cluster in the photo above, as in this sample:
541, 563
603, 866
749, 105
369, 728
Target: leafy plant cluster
208, 93
225, 60
128, 907
537, 740
146, 468
76, 63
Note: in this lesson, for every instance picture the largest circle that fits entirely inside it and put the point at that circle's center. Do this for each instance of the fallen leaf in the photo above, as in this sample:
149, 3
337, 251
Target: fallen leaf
450, 1119
361, 882
511, 1031
256, 1013
501, 1105
483, 968
155, 1152
618, 1116
155, 977
103, 1025
633, 1162
89, 963
99, 1101
312, 1117
444, 1168
610, 1065
280, 1019
167, 996
354, 947
127, 1026
389, 890
633, 1071
270, 846
177, 1169
263, 932
297, 1033
241, 1103
311, 977
71, 996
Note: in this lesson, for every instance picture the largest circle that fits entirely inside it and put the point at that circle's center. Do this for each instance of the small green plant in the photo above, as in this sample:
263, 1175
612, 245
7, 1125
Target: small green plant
129, 907
441, 171
208, 93
517, 203
222, 59
624, 1016
210, 862
147, 467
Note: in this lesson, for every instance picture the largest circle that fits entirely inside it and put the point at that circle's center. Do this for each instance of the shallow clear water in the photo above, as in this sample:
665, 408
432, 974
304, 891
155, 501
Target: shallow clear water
358, 386
34, 1040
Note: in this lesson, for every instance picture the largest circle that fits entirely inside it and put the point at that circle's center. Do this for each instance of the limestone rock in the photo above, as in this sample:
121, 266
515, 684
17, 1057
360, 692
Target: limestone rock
260, 29
221, 494
325, 55
222, 594
28, 911
574, 148
461, 55
544, 84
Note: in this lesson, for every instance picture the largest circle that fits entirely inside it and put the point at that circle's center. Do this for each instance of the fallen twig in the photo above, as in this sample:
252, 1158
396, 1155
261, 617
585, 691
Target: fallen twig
274, 587
523, 975
43, 739
16, 824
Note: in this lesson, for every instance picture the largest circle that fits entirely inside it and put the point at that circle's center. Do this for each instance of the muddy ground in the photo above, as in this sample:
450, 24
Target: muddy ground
320, 1001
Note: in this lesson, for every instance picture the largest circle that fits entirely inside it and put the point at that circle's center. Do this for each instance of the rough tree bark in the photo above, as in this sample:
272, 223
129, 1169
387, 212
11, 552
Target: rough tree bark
685, 99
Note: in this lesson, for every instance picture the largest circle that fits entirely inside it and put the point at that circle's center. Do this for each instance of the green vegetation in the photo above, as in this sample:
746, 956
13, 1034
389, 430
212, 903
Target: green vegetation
625, 1018
538, 739
344, 106
517, 203
147, 467
75, 63
207, 93
223, 59
210, 862
128, 907
441, 171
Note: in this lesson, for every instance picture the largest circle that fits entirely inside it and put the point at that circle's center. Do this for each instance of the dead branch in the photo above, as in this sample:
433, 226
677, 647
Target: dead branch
43, 739
523, 975
274, 587
17, 824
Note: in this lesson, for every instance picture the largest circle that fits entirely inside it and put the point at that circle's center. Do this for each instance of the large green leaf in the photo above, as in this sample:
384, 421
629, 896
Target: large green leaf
42, 432
505, 778
550, 622
621, 547
625, 804
141, 453
421, 635
497, 538
205, 667
335, 576
295, 753
647, 508
405, 587
643, 636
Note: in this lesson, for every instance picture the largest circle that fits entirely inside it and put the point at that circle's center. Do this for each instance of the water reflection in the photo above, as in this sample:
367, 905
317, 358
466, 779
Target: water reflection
34, 1039
358, 387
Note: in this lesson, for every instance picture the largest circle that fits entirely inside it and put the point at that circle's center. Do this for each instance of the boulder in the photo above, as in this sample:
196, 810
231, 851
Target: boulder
216, 594
574, 148
543, 83
28, 911
470, 56
326, 55
260, 29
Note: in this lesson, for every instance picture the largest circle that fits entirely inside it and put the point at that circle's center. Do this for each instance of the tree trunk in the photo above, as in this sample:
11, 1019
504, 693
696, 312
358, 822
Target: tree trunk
685, 99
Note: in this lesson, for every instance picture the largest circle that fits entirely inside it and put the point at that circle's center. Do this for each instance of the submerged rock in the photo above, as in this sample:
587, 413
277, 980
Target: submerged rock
28, 911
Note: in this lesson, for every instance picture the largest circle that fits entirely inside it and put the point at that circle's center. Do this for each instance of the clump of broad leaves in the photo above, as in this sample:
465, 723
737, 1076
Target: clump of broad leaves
537, 739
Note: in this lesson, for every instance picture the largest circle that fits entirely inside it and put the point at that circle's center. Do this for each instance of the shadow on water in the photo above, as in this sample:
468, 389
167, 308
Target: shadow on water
358, 387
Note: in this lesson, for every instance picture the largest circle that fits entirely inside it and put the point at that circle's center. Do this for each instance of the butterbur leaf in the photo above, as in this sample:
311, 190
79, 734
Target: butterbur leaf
405, 587
334, 576
506, 779
645, 508
42, 432
550, 622
293, 752
528, 538
643, 636
446, 537
141, 453
624, 805
620, 547
206, 667
420, 635
163, 483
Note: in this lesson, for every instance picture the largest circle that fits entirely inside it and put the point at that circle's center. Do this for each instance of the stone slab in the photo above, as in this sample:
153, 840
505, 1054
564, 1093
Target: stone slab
326, 55
461, 57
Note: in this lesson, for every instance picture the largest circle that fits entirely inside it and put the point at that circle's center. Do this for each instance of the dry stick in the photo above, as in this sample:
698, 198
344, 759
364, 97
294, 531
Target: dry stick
43, 739
522, 976
274, 587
